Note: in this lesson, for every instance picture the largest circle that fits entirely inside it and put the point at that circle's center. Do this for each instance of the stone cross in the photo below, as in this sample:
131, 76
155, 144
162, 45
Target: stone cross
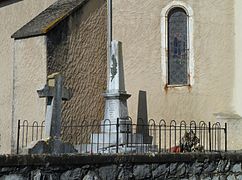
55, 94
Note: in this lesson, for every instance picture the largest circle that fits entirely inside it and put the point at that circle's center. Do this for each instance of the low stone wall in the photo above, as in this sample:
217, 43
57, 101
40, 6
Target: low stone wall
166, 166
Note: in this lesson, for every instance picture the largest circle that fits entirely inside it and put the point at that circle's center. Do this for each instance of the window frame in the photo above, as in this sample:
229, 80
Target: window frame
164, 43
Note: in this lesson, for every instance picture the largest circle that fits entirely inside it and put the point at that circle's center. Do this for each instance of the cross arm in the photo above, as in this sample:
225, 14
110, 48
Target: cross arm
49, 91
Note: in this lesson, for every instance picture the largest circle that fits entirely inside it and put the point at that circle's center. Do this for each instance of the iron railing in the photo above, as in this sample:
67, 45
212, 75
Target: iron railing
28, 132
127, 137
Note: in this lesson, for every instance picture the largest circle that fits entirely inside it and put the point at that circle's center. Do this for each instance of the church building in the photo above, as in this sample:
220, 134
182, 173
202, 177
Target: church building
185, 54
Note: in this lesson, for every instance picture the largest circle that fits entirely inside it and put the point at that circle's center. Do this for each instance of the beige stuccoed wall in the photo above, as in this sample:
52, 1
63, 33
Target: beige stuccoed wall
30, 59
216, 92
137, 25
238, 57
13, 16
235, 120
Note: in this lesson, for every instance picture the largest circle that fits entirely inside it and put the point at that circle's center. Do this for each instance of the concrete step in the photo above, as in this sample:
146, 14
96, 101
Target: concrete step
111, 149
111, 138
125, 126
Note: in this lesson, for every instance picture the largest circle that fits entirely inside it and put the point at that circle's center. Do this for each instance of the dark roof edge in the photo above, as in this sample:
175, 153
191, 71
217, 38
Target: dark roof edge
51, 25
27, 36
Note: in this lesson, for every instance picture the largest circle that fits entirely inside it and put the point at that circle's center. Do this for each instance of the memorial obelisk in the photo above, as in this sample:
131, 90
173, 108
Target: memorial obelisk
116, 128
115, 95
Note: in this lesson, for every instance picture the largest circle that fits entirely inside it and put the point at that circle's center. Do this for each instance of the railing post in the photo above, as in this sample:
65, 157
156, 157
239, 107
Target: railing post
226, 137
18, 132
209, 134
159, 138
117, 138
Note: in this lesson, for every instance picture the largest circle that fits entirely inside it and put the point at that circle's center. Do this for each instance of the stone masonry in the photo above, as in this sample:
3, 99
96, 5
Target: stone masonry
166, 166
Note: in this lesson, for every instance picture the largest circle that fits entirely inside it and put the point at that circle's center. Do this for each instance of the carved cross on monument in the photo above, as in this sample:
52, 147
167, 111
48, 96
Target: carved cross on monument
55, 93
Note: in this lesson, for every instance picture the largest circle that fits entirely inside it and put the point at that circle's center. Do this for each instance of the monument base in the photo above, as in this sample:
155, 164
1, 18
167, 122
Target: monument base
112, 126
51, 146
124, 142
116, 112
124, 148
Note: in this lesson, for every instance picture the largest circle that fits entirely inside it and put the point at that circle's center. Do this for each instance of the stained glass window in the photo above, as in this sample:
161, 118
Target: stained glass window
177, 47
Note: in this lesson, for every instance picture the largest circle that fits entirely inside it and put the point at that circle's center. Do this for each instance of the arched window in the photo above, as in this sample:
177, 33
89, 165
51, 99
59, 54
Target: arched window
177, 47
177, 44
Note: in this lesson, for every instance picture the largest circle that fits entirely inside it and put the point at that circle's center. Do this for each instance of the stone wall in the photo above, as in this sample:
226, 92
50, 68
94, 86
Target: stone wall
77, 49
167, 166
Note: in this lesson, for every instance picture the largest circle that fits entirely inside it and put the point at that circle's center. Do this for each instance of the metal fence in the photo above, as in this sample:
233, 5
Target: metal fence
28, 132
127, 137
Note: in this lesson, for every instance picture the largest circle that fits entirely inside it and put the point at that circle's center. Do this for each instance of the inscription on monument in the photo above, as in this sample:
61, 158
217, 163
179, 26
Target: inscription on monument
111, 109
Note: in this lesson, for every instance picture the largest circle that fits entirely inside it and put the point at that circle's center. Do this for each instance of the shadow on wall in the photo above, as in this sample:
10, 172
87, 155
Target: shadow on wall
8, 2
